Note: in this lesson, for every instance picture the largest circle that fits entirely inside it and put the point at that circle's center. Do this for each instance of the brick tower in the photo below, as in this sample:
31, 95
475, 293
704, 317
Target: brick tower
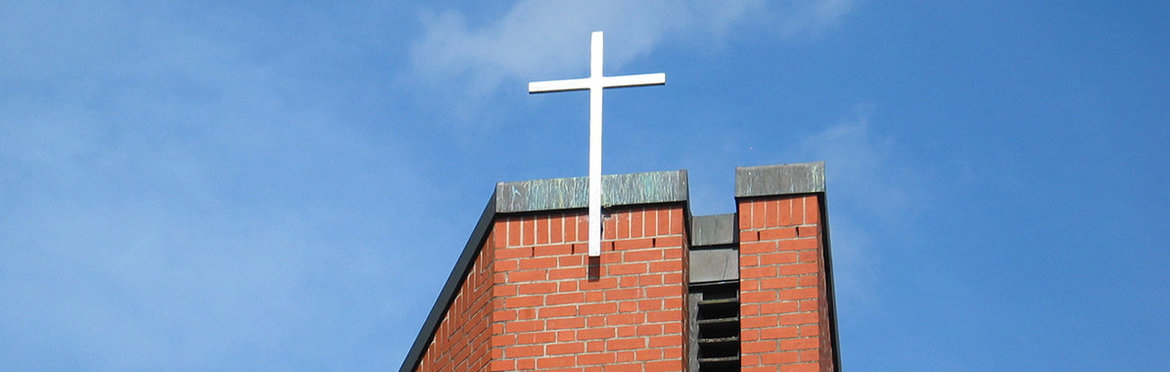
670, 291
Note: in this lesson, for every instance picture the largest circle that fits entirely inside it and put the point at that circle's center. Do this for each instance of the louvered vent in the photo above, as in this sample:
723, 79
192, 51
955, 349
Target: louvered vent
715, 326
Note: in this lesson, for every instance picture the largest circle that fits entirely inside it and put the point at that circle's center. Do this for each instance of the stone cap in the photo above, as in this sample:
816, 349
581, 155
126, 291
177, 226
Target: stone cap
786, 179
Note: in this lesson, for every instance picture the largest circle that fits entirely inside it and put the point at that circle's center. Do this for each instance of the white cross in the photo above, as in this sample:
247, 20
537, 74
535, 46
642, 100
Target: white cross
595, 83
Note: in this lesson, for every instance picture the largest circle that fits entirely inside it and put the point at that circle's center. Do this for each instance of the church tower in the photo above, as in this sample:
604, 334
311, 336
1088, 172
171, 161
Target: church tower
669, 291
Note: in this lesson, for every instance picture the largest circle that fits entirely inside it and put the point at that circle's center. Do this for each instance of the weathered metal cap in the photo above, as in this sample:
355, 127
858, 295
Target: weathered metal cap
569, 193
799, 178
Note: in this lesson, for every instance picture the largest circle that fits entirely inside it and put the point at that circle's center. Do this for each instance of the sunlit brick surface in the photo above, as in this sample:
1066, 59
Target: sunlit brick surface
560, 309
784, 324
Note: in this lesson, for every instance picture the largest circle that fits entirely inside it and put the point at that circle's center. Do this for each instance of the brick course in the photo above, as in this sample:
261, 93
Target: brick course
620, 311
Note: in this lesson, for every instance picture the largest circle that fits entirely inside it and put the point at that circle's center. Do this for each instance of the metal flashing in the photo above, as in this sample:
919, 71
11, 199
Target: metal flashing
713, 264
786, 179
571, 193
830, 291
719, 229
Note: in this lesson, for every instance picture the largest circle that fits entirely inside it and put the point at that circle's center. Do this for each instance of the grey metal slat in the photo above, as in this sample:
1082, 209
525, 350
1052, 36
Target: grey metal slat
718, 340
719, 320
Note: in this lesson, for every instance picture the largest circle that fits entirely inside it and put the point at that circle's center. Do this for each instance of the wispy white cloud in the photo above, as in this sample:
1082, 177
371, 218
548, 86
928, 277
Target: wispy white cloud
548, 40
870, 191
172, 198
810, 17
863, 165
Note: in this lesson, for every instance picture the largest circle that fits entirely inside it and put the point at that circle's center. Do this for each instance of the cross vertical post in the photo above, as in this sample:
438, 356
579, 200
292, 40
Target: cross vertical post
596, 61
595, 84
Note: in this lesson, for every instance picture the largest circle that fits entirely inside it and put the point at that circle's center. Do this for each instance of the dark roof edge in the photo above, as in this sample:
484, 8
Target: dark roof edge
829, 288
451, 288
786, 179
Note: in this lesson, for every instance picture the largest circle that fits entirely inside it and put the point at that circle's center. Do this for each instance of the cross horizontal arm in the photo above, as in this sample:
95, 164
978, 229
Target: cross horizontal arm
606, 82
558, 85
633, 80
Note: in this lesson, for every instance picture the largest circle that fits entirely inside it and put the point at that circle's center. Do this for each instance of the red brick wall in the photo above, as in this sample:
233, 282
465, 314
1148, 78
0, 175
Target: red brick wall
461, 342
783, 302
558, 309
534, 299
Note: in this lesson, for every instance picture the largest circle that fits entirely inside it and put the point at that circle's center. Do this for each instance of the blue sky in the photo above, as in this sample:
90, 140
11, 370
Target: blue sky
268, 185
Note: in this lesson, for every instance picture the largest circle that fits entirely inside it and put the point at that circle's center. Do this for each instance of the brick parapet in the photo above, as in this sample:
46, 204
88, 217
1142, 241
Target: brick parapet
783, 301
